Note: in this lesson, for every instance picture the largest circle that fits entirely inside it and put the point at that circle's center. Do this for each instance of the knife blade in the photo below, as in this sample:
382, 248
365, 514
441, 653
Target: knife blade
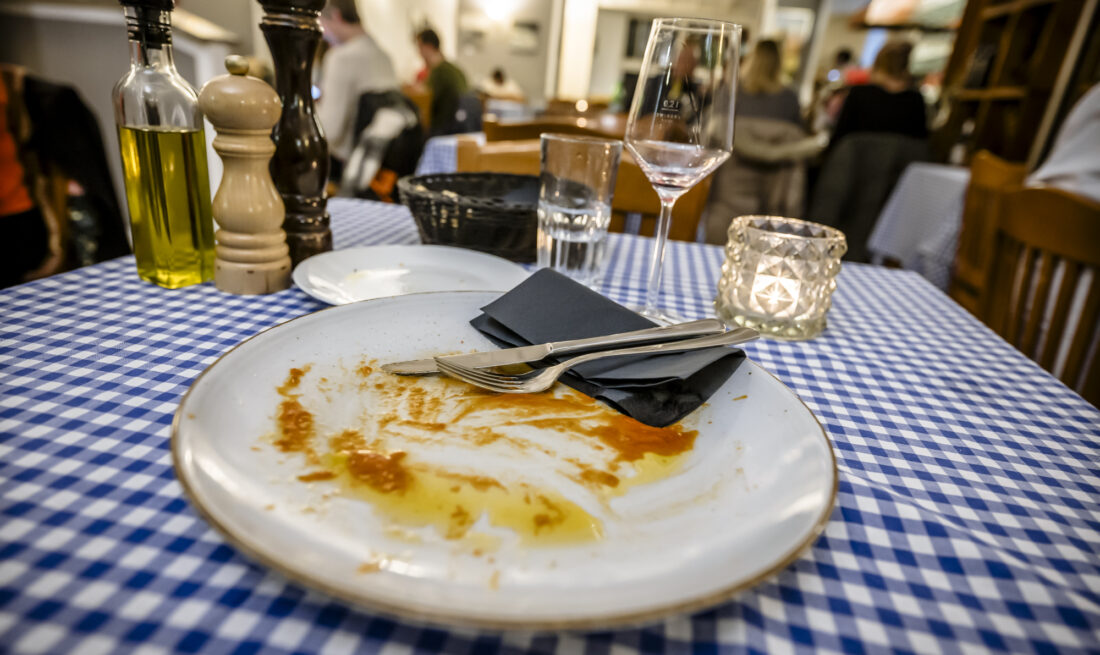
534, 353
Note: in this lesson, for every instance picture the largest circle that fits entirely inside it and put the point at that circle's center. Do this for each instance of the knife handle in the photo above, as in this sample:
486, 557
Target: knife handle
663, 333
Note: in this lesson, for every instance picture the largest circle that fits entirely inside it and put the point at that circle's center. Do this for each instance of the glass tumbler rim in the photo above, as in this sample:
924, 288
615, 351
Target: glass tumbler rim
832, 235
697, 24
579, 138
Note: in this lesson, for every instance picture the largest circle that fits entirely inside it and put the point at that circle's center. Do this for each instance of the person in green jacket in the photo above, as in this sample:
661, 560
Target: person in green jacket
446, 82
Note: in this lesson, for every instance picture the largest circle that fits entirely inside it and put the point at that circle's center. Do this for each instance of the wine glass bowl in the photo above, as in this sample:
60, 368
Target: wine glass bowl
680, 126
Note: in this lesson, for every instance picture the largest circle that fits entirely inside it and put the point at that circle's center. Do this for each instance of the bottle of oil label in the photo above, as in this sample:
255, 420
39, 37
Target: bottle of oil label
160, 133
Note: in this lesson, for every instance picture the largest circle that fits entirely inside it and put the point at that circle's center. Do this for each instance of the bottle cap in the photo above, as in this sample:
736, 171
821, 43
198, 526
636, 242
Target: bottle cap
238, 101
147, 23
159, 5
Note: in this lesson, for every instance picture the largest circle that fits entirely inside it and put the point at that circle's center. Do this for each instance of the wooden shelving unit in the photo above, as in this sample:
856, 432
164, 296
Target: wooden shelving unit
1006, 8
1002, 77
992, 93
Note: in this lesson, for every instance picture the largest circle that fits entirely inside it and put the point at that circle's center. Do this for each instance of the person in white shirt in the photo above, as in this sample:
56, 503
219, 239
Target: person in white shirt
497, 86
353, 66
1074, 161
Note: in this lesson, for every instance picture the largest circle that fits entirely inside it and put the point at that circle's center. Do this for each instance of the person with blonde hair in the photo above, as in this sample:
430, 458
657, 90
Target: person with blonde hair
889, 103
767, 172
762, 93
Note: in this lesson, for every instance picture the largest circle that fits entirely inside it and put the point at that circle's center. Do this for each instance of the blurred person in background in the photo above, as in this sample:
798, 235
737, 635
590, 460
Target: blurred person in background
767, 172
841, 64
833, 89
761, 92
846, 70
58, 207
889, 103
354, 65
497, 85
26, 238
446, 82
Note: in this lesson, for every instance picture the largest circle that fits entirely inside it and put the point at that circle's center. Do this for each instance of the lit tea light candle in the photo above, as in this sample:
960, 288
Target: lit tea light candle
779, 275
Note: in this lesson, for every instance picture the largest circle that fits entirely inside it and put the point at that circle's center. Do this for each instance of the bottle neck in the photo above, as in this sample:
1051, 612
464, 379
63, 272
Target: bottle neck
150, 34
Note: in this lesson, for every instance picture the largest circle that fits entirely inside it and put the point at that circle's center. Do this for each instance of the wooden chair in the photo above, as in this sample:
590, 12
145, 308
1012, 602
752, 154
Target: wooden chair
568, 107
1039, 297
496, 130
423, 101
991, 179
633, 192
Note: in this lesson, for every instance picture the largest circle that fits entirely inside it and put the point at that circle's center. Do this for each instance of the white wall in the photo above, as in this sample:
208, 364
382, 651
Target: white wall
393, 24
233, 16
607, 62
579, 29
494, 18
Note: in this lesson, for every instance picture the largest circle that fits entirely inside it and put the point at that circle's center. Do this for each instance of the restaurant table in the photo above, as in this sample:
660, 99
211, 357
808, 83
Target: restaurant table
919, 225
967, 516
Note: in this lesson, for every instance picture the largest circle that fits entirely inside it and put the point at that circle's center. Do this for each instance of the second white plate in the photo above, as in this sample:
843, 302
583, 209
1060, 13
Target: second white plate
344, 276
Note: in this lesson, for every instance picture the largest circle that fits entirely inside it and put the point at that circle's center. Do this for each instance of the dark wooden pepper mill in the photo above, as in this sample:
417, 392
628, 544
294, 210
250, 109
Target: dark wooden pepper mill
300, 164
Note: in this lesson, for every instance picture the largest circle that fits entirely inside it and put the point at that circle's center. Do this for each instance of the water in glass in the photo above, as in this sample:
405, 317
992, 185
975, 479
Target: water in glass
572, 239
576, 185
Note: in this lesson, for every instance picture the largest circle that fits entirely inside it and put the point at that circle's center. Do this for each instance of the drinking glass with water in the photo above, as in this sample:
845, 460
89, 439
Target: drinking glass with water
576, 186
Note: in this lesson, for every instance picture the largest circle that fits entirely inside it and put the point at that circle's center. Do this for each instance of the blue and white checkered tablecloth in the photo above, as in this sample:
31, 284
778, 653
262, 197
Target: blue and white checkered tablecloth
968, 515
441, 154
919, 225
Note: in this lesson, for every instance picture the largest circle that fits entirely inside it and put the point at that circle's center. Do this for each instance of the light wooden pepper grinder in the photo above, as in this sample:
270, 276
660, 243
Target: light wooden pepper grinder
251, 254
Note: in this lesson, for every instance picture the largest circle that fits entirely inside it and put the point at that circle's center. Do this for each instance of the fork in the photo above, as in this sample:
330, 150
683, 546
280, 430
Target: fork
543, 379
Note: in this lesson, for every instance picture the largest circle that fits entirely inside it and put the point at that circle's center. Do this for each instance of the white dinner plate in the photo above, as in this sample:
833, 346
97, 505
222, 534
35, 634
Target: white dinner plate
343, 276
753, 492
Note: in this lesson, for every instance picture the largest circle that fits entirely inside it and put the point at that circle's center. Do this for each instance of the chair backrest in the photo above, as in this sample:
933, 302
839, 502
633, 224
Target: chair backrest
1044, 286
517, 157
497, 130
859, 174
468, 114
423, 101
991, 179
567, 107
634, 193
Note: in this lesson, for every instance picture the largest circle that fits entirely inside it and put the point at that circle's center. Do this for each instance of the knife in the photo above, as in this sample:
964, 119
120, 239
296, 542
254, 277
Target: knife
535, 353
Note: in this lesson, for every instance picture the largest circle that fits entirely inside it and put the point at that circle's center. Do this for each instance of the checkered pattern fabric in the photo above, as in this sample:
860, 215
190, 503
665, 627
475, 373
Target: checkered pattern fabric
920, 222
440, 156
967, 520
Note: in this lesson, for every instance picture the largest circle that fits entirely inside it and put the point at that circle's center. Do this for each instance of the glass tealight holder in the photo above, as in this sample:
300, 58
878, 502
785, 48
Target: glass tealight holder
779, 275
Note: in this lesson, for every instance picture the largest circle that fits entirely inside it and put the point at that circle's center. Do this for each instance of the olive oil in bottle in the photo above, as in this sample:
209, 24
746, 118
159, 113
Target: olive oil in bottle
160, 134
168, 191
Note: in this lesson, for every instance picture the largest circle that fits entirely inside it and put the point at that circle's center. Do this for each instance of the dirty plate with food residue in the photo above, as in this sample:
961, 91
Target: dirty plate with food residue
430, 499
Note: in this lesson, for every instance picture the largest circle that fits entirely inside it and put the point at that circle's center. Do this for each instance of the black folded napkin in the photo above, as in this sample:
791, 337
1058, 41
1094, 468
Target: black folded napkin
657, 390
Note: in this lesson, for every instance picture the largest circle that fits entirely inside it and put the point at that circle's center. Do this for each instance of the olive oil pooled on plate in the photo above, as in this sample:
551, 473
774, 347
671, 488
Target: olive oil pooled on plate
168, 192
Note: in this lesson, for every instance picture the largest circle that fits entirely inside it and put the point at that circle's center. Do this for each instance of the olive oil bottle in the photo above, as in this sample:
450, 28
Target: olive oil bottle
163, 147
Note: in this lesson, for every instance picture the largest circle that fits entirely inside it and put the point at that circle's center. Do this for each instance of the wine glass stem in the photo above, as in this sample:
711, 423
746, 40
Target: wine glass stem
656, 262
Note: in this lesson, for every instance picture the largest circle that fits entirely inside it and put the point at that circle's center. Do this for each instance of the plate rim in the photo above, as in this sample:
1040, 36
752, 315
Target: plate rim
294, 274
453, 619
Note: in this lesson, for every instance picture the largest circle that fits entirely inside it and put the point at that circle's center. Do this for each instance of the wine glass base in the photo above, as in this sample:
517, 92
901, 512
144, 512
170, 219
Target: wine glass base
660, 317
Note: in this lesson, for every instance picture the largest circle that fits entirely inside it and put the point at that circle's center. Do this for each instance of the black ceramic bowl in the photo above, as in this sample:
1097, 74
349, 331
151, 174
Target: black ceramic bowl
490, 212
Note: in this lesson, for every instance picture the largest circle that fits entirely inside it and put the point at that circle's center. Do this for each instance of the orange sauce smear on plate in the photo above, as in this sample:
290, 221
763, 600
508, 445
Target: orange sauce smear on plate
416, 493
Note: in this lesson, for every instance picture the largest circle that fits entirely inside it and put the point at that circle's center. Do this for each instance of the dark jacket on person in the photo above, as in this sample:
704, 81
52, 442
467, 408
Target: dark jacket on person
871, 108
448, 84
858, 176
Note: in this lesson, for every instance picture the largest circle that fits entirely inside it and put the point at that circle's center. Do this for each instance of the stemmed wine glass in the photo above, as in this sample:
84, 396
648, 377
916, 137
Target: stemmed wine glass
680, 127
